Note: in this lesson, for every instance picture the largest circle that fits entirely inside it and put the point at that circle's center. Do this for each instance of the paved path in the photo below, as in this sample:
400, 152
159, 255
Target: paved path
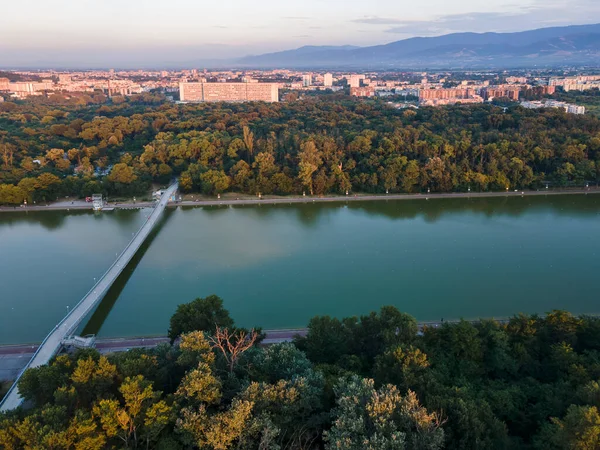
52, 344
13, 358
314, 199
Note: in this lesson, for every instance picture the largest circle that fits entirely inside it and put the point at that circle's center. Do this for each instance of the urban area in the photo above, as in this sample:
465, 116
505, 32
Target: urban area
424, 89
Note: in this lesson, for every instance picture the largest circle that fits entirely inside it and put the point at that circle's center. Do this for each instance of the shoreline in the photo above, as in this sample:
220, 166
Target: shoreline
271, 334
61, 206
14, 357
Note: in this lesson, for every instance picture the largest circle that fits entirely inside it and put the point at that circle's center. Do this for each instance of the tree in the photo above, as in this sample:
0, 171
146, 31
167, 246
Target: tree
11, 195
204, 314
288, 413
214, 181
435, 175
139, 413
28, 186
7, 151
282, 361
578, 430
234, 147
241, 175
47, 185
310, 161
122, 173
38, 384
232, 345
200, 385
215, 431
327, 340
365, 418
249, 141
185, 182
402, 366
93, 378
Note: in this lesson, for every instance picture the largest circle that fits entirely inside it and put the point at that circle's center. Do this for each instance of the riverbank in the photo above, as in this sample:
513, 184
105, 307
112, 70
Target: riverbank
272, 200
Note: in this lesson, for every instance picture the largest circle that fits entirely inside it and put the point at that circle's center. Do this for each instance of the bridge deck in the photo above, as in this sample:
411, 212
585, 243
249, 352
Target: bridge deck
51, 345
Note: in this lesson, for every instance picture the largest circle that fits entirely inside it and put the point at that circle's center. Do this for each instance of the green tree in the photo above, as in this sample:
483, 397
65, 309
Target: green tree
220, 431
202, 314
310, 161
214, 181
365, 418
578, 430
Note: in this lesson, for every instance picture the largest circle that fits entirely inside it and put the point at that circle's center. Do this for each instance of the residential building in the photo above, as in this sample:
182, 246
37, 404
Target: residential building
365, 91
568, 107
354, 80
445, 94
228, 92
328, 80
306, 80
511, 92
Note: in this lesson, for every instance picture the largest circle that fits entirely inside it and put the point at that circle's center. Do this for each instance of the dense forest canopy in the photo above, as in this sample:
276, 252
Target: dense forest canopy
328, 144
373, 382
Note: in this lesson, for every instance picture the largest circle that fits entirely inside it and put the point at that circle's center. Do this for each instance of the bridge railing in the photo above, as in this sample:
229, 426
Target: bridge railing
49, 335
155, 211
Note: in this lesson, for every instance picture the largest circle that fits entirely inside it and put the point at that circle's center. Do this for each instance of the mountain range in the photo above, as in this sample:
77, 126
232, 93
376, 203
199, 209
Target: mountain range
556, 46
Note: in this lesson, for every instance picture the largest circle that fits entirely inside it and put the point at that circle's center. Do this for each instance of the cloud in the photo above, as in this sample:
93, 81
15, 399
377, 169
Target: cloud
373, 20
537, 15
220, 26
315, 28
302, 36
296, 18
452, 23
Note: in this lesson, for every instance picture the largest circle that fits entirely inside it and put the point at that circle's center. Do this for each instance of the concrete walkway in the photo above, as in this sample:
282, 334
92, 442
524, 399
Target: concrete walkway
227, 200
52, 344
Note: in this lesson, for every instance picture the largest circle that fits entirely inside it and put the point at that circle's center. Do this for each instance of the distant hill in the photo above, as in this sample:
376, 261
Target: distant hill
577, 44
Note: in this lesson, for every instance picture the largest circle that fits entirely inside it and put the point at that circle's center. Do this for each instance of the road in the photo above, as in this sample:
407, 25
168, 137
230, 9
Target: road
13, 358
51, 345
329, 199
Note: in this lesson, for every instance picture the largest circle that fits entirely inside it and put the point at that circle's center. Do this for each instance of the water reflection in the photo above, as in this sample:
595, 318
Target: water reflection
432, 210
52, 220
277, 265
94, 324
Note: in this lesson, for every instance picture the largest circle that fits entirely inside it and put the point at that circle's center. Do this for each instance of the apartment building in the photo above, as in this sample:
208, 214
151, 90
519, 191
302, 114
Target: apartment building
229, 92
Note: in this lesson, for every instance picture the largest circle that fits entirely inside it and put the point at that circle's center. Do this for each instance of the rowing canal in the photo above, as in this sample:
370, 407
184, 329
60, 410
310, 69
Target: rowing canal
276, 266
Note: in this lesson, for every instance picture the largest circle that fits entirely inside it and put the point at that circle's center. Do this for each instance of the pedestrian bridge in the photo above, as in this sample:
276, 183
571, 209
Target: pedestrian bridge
65, 328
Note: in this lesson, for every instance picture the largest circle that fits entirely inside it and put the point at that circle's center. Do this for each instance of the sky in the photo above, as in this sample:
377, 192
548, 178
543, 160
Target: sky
161, 33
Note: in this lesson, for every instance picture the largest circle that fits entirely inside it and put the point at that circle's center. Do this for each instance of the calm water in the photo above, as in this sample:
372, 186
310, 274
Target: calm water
278, 265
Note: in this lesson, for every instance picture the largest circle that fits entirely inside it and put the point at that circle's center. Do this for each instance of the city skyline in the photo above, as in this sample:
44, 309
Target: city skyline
93, 34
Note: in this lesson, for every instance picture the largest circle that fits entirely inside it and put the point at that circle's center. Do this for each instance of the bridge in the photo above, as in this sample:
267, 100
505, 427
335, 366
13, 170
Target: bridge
54, 341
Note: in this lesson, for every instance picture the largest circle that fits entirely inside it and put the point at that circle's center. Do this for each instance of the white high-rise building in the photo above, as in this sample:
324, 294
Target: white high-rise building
354, 80
327, 80
306, 80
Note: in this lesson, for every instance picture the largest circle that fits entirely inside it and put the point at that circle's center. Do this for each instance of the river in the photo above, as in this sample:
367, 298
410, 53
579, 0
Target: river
276, 266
